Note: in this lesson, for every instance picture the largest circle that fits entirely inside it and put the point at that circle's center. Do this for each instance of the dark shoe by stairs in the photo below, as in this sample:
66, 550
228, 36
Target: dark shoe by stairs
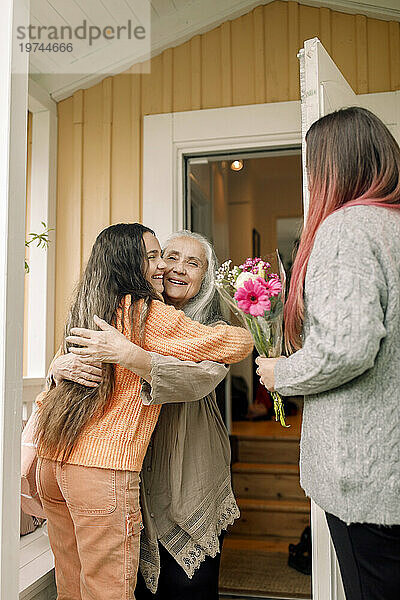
300, 555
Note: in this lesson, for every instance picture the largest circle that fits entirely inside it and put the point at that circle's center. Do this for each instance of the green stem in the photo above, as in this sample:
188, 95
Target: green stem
263, 347
259, 341
279, 409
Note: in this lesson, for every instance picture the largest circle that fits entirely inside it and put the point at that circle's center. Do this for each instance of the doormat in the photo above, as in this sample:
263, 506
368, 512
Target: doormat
261, 572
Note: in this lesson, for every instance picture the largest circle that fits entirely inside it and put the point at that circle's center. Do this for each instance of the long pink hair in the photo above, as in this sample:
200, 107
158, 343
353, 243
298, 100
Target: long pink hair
352, 159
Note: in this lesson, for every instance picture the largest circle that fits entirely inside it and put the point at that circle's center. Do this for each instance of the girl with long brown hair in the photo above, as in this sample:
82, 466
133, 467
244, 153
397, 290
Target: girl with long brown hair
342, 321
91, 442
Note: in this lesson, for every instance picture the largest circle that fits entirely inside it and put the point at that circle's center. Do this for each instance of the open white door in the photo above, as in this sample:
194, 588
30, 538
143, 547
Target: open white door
323, 90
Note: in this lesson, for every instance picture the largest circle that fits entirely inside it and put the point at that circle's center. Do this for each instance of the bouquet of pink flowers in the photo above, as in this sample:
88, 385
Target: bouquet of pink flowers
254, 292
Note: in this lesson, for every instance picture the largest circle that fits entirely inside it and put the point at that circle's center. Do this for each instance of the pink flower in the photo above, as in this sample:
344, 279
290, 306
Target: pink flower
251, 265
253, 298
274, 286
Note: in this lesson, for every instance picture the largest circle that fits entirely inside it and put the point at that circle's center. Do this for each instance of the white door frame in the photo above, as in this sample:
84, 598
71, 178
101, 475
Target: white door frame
36, 559
167, 139
13, 123
41, 277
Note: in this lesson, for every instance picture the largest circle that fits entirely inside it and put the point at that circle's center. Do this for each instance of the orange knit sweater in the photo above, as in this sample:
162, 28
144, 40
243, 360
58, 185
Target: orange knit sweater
120, 439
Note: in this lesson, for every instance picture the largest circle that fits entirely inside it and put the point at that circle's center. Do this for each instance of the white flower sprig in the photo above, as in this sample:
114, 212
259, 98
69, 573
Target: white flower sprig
227, 276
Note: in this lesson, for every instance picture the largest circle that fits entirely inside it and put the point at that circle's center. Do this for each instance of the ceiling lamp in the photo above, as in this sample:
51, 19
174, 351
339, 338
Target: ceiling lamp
237, 165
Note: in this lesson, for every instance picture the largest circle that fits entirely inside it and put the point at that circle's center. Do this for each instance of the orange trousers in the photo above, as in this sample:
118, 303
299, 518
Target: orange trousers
94, 525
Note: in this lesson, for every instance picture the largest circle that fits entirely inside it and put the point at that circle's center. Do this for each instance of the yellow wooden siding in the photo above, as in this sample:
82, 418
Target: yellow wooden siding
251, 59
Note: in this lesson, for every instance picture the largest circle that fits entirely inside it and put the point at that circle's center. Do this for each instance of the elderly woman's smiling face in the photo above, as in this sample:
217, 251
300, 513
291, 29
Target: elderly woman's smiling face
186, 266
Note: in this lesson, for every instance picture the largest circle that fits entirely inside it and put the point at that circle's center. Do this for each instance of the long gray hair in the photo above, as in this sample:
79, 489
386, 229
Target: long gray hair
205, 306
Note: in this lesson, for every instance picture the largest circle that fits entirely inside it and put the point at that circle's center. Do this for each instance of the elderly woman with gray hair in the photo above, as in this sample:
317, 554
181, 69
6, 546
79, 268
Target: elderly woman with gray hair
186, 495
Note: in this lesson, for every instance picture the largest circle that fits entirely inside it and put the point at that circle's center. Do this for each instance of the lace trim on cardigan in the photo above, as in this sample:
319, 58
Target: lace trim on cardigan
149, 563
190, 552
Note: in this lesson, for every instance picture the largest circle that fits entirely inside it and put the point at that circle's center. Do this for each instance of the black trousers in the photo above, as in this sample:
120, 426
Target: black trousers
174, 584
369, 559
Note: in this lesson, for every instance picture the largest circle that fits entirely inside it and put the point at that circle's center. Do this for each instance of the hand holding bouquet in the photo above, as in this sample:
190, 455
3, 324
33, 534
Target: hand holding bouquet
254, 292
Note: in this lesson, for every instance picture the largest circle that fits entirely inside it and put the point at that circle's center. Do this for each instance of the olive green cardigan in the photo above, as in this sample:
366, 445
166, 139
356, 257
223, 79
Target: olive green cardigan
186, 493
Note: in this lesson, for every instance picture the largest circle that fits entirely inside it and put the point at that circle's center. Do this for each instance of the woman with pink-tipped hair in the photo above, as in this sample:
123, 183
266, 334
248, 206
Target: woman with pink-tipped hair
343, 328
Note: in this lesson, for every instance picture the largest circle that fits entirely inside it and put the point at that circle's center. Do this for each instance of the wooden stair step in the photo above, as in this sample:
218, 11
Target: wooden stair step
267, 468
265, 518
280, 506
268, 429
266, 480
264, 450
272, 544
266, 441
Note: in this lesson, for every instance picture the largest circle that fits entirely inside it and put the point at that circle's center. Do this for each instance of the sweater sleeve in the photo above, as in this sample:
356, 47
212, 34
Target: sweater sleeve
170, 332
174, 380
345, 296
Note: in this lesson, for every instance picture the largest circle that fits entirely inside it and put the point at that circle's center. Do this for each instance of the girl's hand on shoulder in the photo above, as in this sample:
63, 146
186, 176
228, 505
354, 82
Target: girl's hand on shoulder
265, 370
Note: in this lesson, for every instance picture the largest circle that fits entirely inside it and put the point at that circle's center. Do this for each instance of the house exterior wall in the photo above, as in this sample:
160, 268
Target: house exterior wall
249, 60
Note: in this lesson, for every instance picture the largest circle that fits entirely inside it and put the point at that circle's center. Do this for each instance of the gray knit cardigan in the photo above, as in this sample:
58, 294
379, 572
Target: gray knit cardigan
349, 367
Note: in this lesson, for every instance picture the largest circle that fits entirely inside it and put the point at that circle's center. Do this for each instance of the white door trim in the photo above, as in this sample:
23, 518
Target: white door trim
41, 278
169, 137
